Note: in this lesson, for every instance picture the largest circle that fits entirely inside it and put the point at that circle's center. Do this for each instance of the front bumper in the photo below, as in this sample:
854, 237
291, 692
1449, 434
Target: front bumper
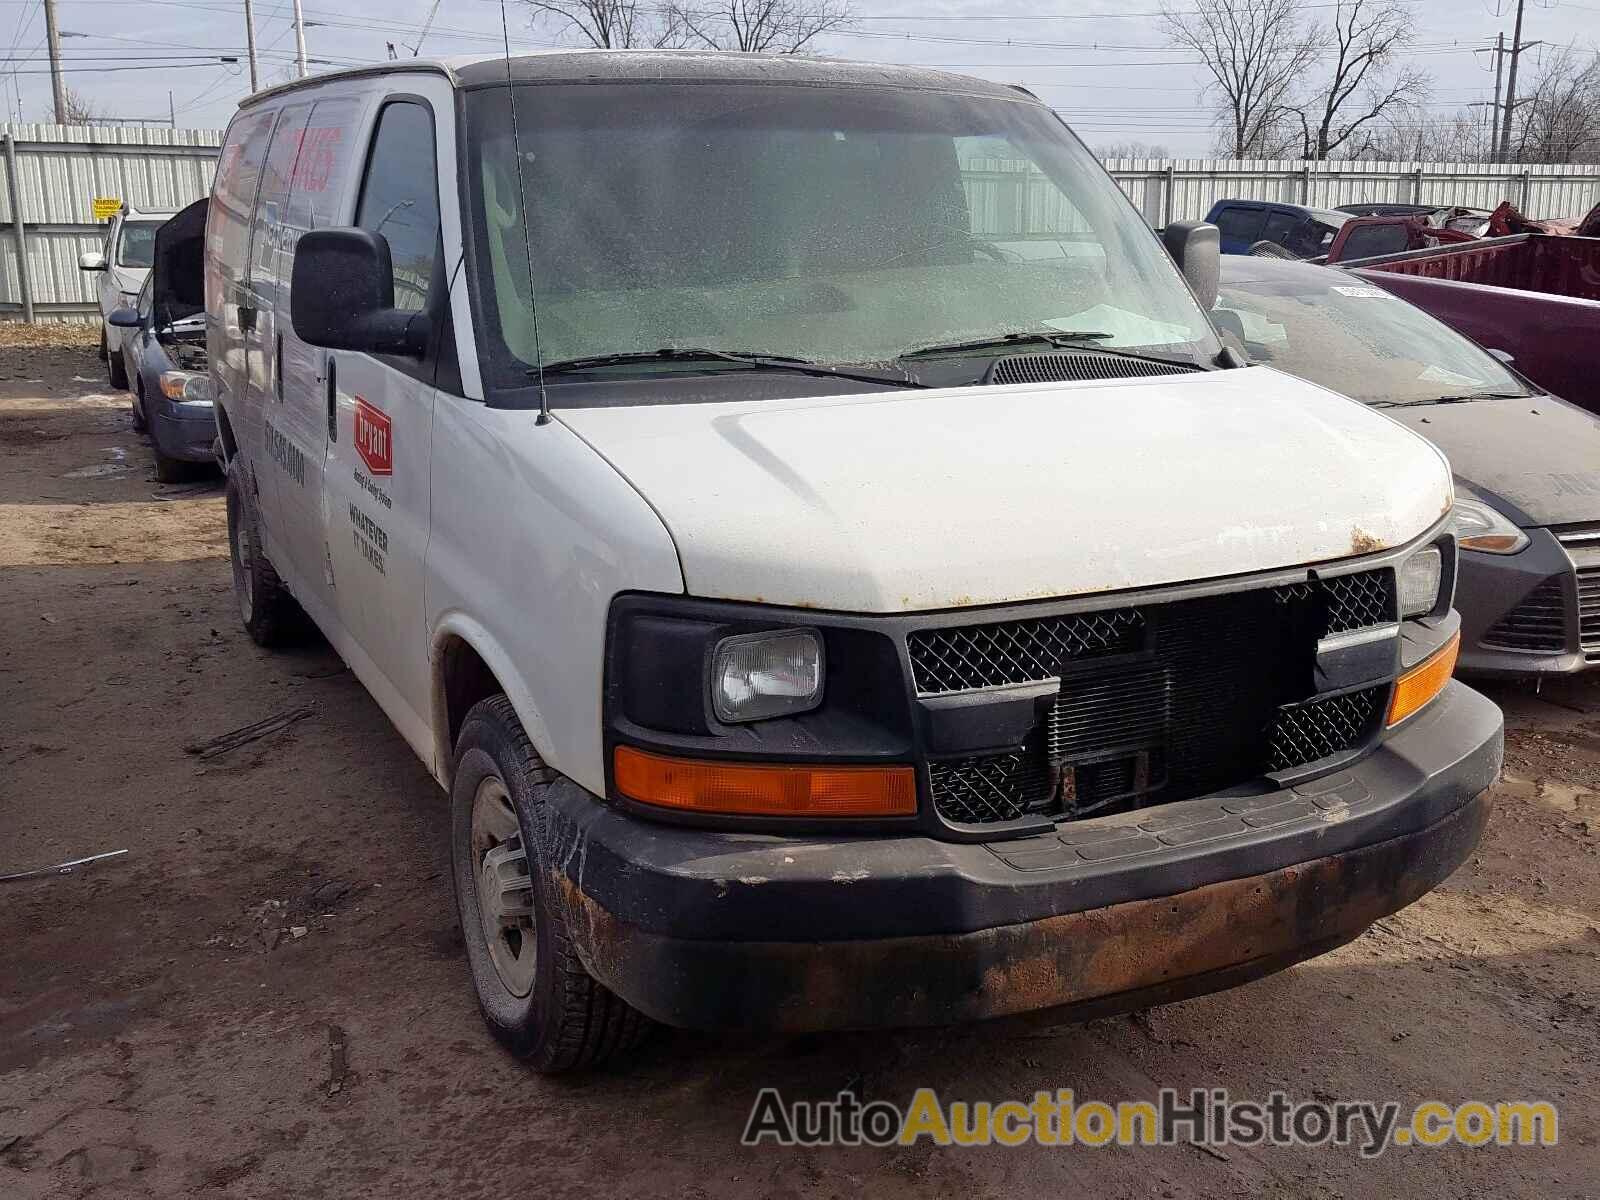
1521, 614
187, 437
758, 932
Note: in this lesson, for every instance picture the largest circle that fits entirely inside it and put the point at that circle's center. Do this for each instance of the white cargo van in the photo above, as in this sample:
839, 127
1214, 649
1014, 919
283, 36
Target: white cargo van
806, 521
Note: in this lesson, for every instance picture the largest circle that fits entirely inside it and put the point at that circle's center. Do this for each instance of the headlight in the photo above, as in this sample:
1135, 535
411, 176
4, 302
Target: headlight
1420, 576
186, 387
1479, 527
759, 675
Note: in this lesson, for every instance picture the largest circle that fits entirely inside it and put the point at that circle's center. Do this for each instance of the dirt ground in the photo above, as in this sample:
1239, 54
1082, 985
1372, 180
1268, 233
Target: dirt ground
266, 997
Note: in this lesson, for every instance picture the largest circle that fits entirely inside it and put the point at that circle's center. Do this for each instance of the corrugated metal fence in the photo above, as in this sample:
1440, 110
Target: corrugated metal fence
1181, 188
53, 173
60, 170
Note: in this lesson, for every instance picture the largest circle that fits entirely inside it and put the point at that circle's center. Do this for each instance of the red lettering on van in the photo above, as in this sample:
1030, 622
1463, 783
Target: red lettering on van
374, 438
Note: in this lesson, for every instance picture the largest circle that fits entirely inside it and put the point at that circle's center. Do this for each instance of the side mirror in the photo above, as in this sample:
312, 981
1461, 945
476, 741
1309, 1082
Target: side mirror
124, 318
1196, 246
342, 295
1504, 356
91, 260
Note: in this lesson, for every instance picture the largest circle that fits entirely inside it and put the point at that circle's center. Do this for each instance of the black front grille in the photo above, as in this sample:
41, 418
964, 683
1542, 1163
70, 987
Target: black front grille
1304, 733
1158, 703
1538, 622
1589, 608
1001, 787
1072, 367
1356, 601
977, 656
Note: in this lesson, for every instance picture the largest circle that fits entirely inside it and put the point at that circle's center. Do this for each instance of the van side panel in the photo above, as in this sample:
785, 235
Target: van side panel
228, 306
533, 534
325, 165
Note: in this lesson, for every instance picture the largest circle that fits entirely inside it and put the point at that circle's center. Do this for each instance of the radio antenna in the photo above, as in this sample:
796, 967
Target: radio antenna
522, 209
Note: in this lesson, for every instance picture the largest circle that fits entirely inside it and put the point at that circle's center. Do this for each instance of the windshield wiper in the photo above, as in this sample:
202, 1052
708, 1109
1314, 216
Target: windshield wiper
752, 359
1060, 338
1465, 398
1056, 339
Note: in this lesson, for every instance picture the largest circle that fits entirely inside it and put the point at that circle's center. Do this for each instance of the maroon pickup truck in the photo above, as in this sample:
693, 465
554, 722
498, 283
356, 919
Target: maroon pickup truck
1533, 296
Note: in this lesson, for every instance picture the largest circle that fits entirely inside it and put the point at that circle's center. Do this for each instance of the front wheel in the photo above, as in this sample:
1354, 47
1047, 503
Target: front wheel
534, 993
270, 615
116, 369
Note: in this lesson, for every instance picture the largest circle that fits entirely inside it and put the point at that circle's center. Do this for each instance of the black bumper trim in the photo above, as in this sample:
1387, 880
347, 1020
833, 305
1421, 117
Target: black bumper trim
1087, 963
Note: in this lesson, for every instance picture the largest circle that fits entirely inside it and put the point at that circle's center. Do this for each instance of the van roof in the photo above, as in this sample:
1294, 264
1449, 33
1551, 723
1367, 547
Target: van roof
654, 66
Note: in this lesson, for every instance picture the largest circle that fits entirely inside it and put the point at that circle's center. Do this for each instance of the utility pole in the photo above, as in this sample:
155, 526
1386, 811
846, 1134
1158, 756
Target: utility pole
300, 40
1511, 87
250, 45
172, 112
1494, 106
53, 35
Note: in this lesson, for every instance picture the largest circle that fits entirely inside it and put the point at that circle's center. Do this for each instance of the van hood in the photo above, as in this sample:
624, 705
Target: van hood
914, 500
1537, 458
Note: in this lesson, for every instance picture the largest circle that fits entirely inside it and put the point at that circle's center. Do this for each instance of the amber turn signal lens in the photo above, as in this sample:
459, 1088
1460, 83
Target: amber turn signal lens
1423, 682
764, 790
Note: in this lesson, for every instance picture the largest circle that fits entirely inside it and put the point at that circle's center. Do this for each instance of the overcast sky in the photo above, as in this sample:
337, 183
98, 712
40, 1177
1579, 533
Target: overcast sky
1104, 63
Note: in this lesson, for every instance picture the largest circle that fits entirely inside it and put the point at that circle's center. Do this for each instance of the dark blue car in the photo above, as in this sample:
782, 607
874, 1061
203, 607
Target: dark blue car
1303, 232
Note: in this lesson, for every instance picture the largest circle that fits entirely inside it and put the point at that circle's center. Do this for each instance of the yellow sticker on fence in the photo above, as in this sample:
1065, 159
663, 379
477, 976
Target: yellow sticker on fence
106, 207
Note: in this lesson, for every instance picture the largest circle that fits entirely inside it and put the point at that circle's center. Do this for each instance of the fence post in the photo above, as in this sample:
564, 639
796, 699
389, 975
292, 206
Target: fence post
1167, 199
1416, 186
13, 193
1527, 190
1305, 183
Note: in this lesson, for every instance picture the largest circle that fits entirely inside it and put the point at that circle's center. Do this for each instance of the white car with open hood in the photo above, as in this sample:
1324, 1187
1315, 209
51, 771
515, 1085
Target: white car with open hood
806, 521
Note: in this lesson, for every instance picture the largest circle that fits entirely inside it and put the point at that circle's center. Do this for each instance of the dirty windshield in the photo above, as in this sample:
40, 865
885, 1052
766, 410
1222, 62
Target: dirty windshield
1355, 338
138, 246
834, 225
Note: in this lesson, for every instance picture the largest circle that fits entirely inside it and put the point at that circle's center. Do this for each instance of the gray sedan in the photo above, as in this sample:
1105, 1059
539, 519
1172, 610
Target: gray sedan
163, 347
1527, 465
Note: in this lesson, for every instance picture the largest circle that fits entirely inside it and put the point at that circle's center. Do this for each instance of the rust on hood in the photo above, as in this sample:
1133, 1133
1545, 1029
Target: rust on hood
1362, 542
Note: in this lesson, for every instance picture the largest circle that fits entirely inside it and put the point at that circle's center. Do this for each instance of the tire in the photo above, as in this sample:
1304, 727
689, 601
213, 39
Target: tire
173, 470
139, 422
269, 613
548, 1011
116, 369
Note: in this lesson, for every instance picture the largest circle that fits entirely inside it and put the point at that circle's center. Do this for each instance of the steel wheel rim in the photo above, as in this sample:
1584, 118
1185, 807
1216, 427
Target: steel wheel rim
504, 887
243, 577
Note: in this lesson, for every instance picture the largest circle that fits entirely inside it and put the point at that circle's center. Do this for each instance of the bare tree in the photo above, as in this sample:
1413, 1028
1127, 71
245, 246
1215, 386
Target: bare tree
775, 26
1557, 120
1255, 52
1364, 84
79, 110
611, 24
1133, 150
1405, 136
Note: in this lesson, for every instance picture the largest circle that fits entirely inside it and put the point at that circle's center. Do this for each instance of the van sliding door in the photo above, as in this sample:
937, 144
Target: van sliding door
316, 193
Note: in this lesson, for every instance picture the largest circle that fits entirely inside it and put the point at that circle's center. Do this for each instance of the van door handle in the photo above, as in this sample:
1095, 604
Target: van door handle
333, 399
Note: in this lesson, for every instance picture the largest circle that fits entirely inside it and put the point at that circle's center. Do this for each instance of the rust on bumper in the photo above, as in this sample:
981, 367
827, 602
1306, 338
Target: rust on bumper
1140, 952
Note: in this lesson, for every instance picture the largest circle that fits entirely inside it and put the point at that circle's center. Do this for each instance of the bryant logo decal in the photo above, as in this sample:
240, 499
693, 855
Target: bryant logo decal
374, 438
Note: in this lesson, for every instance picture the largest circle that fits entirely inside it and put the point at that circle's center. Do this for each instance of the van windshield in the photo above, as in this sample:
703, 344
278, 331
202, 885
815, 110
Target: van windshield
836, 225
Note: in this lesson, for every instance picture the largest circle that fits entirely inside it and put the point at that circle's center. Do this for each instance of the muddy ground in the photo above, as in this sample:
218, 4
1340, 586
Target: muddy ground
266, 997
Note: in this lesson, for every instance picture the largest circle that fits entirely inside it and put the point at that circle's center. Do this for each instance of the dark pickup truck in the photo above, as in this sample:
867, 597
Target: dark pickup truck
1533, 296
